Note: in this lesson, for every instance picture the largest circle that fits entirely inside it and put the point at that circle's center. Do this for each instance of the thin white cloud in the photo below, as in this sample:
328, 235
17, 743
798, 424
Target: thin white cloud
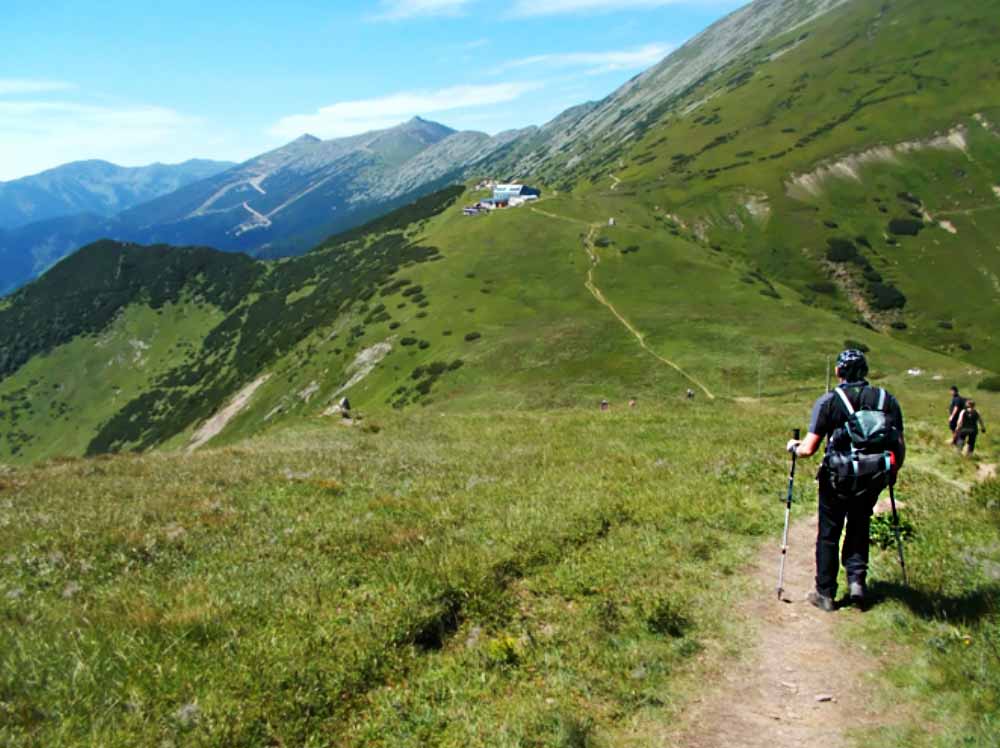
596, 63
353, 117
555, 7
9, 86
37, 134
394, 10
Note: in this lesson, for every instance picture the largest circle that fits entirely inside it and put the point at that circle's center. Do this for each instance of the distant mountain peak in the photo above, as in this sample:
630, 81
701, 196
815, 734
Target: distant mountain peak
307, 138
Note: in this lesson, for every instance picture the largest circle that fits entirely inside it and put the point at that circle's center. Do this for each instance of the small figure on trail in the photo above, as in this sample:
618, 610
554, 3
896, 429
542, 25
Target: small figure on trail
863, 426
605, 405
631, 402
689, 394
970, 423
955, 409
345, 408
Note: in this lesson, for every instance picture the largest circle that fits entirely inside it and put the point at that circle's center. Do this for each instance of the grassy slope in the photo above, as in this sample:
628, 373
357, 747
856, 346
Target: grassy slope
863, 76
491, 562
545, 579
61, 399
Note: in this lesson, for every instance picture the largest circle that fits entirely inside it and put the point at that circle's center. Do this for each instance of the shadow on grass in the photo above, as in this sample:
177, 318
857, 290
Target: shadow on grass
970, 607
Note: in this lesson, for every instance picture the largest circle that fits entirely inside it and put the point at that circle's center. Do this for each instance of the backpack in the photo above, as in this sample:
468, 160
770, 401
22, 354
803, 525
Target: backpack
860, 460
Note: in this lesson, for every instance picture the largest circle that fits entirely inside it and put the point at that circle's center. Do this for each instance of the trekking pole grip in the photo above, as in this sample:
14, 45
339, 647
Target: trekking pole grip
796, 433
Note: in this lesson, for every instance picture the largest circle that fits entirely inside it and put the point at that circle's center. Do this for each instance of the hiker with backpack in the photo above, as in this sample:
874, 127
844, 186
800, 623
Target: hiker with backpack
970, 423
863, 426
955, 410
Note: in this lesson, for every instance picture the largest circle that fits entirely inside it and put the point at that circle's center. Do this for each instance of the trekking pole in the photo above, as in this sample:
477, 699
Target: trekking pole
896, 530
788, 512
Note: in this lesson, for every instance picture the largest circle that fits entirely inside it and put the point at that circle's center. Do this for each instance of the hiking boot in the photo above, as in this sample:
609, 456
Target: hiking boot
821, 601
856, 592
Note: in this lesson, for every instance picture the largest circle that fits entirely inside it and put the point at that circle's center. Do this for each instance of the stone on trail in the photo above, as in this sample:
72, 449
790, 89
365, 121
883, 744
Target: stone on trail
824, 697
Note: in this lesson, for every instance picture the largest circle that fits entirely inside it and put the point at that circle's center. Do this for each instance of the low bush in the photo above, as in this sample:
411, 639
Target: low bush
824, 287
841, 250
470, 336
991, 383
857, 345
885, 297
905, 226
408, 341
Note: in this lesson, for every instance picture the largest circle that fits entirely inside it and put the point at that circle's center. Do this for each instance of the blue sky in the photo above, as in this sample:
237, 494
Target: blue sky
114, 79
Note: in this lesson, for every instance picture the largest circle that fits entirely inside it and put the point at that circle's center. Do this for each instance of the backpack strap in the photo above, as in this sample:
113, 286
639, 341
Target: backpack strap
881, 399
846, 399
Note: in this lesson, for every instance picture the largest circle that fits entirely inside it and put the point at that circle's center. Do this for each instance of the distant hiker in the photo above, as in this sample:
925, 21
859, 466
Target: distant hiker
631, 402
345, 407
955, 409
970, 423
864, 450
689, 394
605, 405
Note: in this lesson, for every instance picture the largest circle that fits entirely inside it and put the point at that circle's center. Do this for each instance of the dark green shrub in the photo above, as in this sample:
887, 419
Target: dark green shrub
885, 297
946, 325
469, 337
857, 345
823, 287
898, 325
991, 383
408, 341
872, 275
905, 226
393, 325
424, 345
841, 250
883, 534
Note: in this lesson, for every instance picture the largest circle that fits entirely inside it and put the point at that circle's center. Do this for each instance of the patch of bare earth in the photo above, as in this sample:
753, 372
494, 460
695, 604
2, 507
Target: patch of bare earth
798, 683
217, 422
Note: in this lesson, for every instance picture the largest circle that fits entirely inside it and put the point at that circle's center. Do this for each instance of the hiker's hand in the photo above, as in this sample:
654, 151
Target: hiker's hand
793, 446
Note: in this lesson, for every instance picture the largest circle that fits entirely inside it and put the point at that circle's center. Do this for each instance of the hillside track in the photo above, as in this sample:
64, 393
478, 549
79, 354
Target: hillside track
595, 291
799, 683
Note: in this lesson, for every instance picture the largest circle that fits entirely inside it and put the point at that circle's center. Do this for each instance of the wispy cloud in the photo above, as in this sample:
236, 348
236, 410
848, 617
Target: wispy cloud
353, 117
39, 133
394, 10
400, 9
554, 7
596, 63
9, 86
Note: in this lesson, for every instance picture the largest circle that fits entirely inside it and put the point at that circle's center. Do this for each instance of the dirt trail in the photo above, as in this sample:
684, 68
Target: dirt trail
769, 699
595, 260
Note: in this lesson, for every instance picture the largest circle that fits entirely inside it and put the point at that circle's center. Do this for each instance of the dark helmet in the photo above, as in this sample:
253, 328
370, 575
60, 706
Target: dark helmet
852, 365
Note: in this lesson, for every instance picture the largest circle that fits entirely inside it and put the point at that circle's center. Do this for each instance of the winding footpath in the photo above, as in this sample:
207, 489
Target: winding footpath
596, 292
798, 684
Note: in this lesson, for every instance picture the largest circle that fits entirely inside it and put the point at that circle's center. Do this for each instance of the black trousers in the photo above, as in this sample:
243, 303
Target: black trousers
966, 437
834, 512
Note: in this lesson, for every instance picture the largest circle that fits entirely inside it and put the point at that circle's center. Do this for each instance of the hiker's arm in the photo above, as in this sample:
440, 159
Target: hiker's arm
807, 447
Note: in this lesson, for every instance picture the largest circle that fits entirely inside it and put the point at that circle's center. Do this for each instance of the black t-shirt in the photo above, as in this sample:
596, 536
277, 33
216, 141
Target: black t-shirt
956, 402
829, 412
970, 421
